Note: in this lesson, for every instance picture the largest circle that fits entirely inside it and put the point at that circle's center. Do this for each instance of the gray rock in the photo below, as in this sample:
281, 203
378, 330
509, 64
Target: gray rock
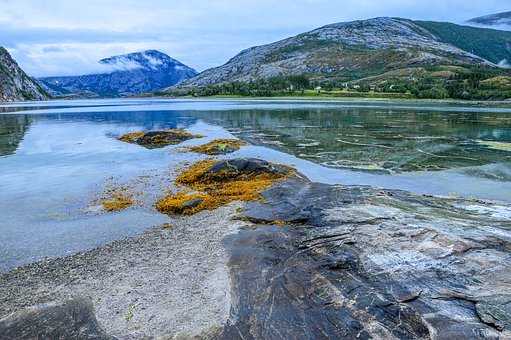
356, 262
73, 319
495, 310
235, 167
15, 84
192, 203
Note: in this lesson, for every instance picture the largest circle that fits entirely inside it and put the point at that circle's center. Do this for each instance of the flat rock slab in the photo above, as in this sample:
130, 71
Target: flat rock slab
328, 261
73, 319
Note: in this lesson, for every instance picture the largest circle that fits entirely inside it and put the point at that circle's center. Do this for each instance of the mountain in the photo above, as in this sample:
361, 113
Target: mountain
15, 84
124, 75
499, 20
359, 49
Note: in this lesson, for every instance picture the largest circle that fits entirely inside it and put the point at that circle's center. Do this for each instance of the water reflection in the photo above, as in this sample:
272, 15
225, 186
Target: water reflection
376, 139
12, 130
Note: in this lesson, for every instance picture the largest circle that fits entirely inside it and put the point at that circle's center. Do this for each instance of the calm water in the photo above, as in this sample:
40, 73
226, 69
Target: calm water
57, 157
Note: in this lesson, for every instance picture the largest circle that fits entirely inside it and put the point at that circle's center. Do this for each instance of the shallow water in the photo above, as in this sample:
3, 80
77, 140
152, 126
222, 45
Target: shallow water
57, 157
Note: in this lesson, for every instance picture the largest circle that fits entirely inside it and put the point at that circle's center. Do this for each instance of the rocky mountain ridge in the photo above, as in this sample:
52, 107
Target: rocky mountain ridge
15, 84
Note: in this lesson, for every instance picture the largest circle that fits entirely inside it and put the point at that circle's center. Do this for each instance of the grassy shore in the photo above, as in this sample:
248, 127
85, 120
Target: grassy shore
351, 98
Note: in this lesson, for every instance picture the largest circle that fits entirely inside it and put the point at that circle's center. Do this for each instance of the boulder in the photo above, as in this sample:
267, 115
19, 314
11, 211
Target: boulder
72, 319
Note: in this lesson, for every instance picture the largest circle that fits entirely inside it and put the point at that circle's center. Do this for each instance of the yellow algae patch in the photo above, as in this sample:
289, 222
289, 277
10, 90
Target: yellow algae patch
157, 139
194, 173
167, 226
117, 200
502, 146
131, 137
213, 189
219, 147
185, 203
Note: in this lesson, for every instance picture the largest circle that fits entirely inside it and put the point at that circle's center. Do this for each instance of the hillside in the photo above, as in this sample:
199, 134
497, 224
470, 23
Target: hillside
381, 57
347, 51
15, 84
124, 75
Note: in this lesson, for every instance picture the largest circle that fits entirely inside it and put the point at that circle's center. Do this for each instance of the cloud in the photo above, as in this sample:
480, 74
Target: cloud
504, 64
61, 37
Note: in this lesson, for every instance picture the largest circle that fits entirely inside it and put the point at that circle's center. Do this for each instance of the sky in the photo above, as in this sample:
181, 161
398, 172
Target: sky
68, 37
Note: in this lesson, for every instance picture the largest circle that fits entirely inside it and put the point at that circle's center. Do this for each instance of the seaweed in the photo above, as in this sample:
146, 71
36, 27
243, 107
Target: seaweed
157, 139
218, 147
212, 188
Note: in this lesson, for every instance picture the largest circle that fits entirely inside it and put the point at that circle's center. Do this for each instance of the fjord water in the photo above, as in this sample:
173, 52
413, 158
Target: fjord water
57, 157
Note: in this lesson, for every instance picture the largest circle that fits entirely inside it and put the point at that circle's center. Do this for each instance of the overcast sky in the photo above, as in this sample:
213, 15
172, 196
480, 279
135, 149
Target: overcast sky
63, 37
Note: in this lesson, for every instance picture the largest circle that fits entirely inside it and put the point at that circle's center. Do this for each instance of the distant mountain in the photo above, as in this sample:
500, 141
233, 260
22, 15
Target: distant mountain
124, 75
359, 49
499, 20
15, 84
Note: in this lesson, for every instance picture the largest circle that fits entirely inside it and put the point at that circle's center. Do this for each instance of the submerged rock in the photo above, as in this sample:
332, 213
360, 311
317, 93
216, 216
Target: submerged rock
157, 139
219, 147
73, 319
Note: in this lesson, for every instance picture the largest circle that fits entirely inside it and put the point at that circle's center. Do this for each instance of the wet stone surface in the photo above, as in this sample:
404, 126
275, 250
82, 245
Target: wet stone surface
356, 262
73, 319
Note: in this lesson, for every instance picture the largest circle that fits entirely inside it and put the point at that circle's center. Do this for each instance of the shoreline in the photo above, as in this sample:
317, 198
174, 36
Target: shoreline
139, 286
330, 99
504, 103
366, 261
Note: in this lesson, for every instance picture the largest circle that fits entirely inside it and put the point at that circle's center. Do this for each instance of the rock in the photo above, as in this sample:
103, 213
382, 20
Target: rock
235, 167
157, 139
495, 310
192, 203
15, 84
218, 147
367, 263
72, 319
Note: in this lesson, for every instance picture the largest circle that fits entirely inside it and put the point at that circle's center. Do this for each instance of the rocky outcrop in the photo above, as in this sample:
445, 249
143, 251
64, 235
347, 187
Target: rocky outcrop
124, 75
15, 84
72, 319
359, 48
354, 262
